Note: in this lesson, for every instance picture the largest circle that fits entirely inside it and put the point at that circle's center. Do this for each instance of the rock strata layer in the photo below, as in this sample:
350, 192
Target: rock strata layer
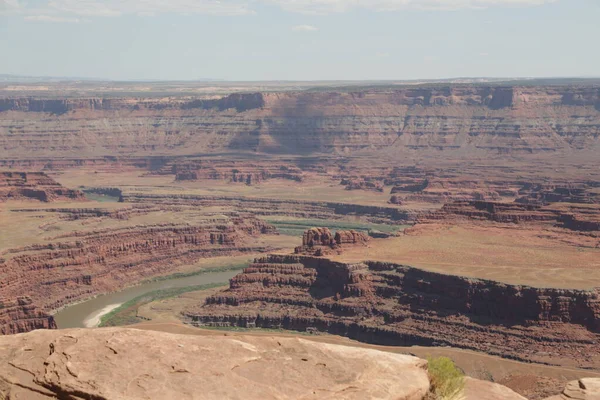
21, 315
576, 217
321, 241
84, 264
34, 186
277, 207
393, 304
459, 120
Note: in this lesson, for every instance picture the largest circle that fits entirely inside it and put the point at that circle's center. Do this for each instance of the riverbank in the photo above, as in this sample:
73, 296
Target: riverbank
219, 264
83, 314
94, 319
127, 313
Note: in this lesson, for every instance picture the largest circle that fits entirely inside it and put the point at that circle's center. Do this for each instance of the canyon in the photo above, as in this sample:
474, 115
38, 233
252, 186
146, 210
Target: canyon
463, 216
391, 304
74, 266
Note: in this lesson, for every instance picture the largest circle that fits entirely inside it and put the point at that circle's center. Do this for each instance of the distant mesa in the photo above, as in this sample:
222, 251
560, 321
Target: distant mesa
465, 121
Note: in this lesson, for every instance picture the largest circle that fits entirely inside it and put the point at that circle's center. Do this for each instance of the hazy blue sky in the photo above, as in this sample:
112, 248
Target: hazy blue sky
299, 39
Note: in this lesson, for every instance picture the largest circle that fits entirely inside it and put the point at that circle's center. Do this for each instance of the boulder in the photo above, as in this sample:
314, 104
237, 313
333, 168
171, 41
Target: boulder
582, 389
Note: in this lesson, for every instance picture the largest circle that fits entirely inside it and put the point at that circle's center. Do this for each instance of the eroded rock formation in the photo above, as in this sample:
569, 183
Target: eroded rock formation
575, 217
546, 194
247, 172
21, 315
34, 186
320, 241
497, 212
79, 265
393, 304
363, 184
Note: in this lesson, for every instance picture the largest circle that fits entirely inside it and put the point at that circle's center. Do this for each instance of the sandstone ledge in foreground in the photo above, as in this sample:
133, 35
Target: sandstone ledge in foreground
126, 364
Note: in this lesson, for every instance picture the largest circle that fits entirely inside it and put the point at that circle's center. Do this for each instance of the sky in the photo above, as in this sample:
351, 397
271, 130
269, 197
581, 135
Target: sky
299, 39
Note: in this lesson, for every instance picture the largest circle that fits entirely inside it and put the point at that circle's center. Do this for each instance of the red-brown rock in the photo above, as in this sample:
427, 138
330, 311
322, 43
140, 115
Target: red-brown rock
320, 241
393, 304
34, 186
84, 264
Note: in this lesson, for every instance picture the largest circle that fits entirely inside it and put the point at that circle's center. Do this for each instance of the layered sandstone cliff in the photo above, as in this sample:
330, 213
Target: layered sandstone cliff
34, 186
19, 314
321, 241
79, 265
398, 305
460, 120
574, 217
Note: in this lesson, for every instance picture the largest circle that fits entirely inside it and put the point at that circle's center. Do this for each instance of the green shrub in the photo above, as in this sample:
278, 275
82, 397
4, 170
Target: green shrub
447, 381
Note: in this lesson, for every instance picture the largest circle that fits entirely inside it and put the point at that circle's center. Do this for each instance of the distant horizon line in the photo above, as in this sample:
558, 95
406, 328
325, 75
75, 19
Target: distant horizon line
16, 78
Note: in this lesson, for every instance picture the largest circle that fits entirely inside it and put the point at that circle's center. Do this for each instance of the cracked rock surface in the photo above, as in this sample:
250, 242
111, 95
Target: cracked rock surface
126, 364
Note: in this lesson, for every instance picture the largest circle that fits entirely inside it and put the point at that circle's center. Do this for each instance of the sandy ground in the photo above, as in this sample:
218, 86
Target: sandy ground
93, 320
511, 254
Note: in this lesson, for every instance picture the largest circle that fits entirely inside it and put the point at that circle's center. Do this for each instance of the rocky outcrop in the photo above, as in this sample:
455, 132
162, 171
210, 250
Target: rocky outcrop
320, 241
350, 237
393, 304
580, 222
317, 237
478, 390
34, 186
495, 211
582, 389
462, 120
362, 184
395, 200
21, 315
232, 171
131, 364
80, 265
576, 218
546, 194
